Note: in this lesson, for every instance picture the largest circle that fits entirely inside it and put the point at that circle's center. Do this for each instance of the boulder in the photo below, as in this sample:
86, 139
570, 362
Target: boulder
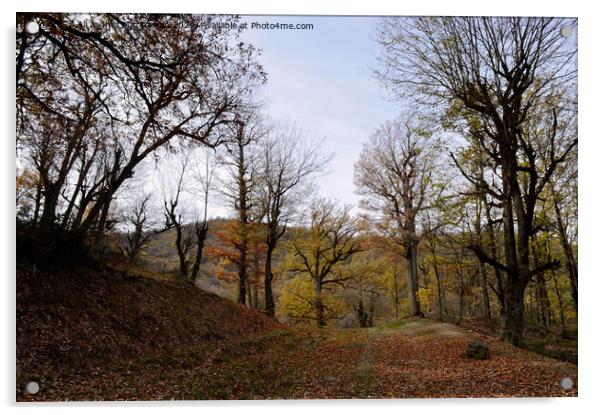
478, 350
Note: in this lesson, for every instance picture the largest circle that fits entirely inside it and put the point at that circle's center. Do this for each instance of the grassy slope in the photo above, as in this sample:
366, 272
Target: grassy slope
93, 334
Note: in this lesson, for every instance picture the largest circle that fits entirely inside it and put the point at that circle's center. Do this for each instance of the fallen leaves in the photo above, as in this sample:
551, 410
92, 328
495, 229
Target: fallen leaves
136, 339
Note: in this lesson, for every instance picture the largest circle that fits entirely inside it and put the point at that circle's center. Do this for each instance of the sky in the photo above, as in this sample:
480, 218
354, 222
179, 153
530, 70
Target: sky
320, 80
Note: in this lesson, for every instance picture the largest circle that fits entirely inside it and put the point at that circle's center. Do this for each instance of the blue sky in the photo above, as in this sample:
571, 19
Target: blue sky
320, 80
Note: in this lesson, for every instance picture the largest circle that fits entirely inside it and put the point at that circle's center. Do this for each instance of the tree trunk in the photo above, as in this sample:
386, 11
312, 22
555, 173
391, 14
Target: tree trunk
514, 320
320, 318
412, 280
51, 197
242, 277
440, 298
201, 235
485, 292
255, 296
270, 308
516, 251
242, 222
361, 314
560, 304
183, 267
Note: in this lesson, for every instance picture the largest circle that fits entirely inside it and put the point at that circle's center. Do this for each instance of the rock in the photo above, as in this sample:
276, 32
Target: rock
478, 350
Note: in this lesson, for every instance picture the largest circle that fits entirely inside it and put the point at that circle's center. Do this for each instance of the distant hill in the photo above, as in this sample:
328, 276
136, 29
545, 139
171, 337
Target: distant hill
160, 256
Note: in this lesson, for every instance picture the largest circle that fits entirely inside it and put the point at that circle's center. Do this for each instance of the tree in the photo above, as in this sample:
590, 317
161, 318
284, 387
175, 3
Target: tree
395, 176
432, 228
366, 280
174, 219
138, 238
501, 77
226, 249
239, 183
204, 178
318, 253
299, 300
289, 159
98, 93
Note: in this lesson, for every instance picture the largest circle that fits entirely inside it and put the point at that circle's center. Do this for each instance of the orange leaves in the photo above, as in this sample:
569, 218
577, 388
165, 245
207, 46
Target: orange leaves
225, 248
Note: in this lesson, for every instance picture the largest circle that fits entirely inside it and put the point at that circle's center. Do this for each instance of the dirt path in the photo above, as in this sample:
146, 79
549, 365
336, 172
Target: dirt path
416, 358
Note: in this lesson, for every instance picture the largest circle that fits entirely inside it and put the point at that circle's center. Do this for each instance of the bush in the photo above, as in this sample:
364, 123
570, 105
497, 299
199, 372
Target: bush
51, 249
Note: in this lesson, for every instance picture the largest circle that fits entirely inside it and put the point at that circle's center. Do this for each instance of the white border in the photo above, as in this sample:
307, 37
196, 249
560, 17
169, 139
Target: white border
590, 94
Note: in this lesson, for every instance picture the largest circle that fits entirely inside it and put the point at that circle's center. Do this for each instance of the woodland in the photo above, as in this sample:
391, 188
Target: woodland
131, 128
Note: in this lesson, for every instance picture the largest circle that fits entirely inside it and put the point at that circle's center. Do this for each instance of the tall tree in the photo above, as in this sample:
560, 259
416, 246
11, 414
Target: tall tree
395, 176
239, 182
502, 77
203, 177
289, 159
174, 218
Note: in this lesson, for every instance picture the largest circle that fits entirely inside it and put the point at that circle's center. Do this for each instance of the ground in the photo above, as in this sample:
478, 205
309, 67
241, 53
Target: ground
411, 358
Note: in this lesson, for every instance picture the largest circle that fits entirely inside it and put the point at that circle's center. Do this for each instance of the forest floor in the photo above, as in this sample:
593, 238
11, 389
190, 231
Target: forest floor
412, 358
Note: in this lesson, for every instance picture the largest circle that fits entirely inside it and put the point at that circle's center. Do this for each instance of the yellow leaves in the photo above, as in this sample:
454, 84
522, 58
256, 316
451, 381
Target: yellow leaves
298, 299
427, 297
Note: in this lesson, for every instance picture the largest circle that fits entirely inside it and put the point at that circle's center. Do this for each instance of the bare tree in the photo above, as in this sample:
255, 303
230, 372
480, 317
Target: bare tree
140, 235
203, 177
174, 219
289, 159
395, 176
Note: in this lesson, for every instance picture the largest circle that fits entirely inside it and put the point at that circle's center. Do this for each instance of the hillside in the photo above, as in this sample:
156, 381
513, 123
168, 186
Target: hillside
160, 256
99, 334
85, 322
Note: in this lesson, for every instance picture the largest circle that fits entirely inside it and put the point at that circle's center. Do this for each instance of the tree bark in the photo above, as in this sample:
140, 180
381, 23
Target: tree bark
270, 308
320, 317
395, 291
201, 234
412, 280
242, 219
513, 321
484, 292
560, 304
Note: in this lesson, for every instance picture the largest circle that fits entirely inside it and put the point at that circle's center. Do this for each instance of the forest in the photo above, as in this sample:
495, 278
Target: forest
145, 151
